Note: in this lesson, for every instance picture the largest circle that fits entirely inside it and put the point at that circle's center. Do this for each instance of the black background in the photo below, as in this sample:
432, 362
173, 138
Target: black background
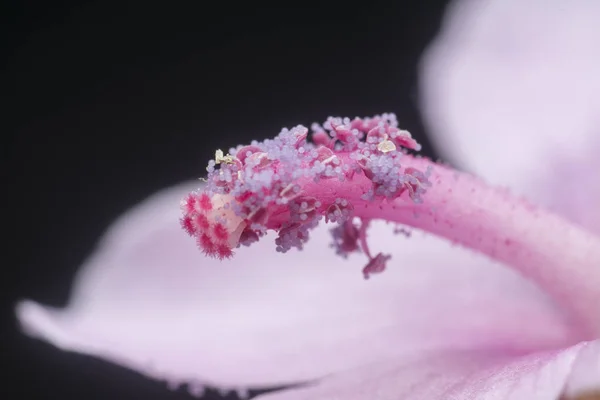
109, 102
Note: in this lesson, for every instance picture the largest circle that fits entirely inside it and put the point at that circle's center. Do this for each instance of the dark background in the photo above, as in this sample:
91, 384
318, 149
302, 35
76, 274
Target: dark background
111, 101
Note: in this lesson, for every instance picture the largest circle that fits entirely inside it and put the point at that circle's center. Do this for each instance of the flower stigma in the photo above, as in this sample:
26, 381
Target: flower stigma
349, 172
285, 184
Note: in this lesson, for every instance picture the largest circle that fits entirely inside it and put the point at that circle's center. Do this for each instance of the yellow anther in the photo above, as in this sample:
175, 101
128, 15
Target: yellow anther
386, 146
220, 158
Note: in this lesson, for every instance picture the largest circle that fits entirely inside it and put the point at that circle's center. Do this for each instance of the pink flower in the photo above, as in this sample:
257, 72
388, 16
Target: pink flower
512, 311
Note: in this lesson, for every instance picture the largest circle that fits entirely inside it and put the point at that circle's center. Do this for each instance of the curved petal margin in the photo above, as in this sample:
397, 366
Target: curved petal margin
147, 299
466, 376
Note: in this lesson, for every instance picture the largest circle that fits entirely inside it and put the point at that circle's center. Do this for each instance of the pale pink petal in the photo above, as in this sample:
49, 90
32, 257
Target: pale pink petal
585, 375
511, 91
464, 376
149, 300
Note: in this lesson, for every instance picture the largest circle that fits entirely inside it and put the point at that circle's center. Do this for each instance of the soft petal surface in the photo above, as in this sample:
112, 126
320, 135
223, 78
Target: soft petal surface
465, 376
149, 300
511, 91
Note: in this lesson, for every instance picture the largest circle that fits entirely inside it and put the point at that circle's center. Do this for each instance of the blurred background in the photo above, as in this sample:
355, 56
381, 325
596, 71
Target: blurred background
108, 102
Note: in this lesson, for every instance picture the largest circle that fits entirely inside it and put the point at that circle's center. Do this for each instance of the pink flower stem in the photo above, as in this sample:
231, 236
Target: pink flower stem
563, 259
360, 168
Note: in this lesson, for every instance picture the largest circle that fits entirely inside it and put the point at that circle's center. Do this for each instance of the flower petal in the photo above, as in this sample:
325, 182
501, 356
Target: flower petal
511, 90
467, 375
149, 300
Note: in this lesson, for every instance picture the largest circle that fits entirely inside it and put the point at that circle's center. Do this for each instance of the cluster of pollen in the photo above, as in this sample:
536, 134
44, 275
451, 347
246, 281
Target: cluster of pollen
263, 186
